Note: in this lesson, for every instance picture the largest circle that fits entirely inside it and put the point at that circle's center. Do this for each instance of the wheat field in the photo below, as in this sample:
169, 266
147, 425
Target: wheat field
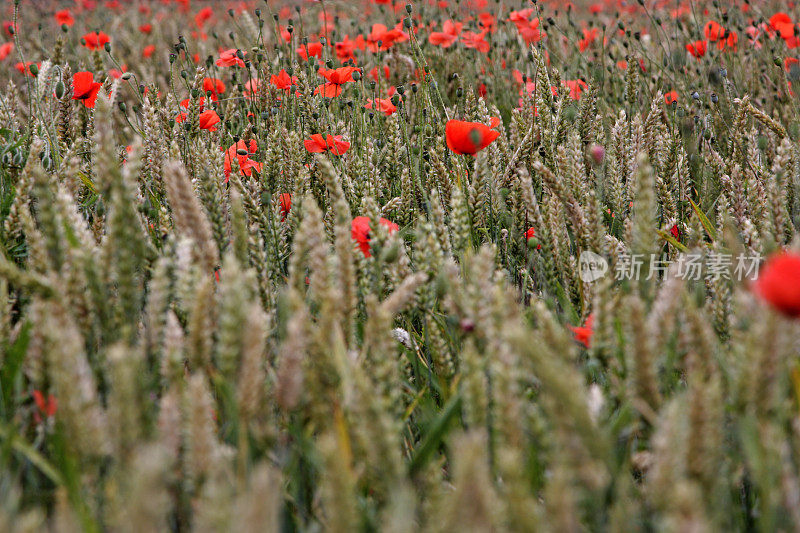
369, 265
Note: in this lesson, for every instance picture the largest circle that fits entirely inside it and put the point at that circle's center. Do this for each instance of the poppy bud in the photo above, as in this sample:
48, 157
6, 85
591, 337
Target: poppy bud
172, 58
401, 90
409, 8
230, 13
64, 28
395, 99
123, 106
356, 75
407, 22
59, 89
195, 93
597, 152
107, 47
414, 88
459, 92
11, 30
184, 74
241, 151
258, 13
126, 76
34, 69
777, 61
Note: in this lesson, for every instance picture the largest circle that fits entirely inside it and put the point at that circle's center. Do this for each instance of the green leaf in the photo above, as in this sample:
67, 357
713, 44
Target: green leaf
435, 436
704, 221
12, 363
672, 240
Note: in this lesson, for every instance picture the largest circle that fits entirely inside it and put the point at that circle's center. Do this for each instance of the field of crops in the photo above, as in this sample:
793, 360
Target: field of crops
369, 265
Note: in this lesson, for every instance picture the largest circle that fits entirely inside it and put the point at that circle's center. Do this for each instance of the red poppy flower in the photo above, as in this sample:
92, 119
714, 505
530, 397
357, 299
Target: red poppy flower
374, 73
575, 88
713, 30
285, 201
203, 16
670, 97
246, 165
213, 86
589, 37
782, 23
697, 48
384, 105
345, 49
25, 68
779, 283
148, 50
283, 81
334, 144
475, 40
208, 120
85, 88
448, 35
230, 58
729, 40
5, 50
44, 407
309, 50
386, 37
530, 234
488, 22
96, 40
336, 78
146, 28
470, 137
675, 232
64, 17
584, 334
360, 232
